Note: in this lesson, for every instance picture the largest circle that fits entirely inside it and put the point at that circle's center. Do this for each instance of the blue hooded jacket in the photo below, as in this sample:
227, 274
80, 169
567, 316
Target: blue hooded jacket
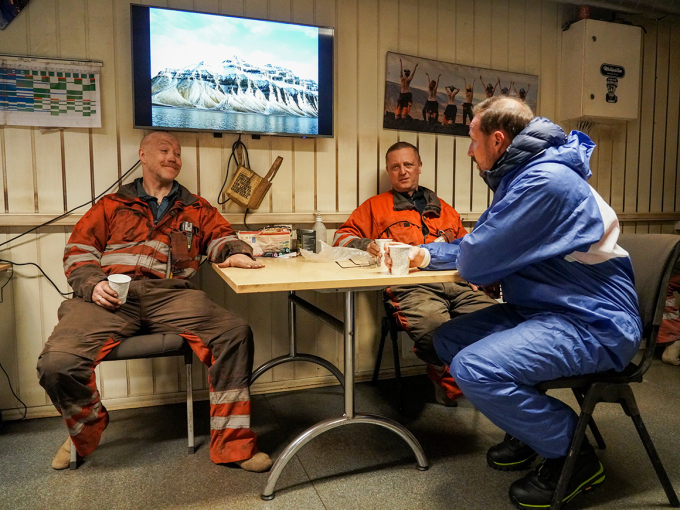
550, 239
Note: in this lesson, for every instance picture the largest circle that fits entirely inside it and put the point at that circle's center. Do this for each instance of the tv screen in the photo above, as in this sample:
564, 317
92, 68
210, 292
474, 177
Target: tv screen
194, 71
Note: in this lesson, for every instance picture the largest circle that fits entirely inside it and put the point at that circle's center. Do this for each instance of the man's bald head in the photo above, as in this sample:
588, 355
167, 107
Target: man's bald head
155, 137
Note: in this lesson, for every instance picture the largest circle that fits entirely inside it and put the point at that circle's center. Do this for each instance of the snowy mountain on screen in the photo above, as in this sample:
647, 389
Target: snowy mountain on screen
236, 86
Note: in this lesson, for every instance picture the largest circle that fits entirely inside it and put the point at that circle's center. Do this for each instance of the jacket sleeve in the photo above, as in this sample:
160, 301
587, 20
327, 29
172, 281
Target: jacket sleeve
357, 231
83, 253
219, 241
549, 212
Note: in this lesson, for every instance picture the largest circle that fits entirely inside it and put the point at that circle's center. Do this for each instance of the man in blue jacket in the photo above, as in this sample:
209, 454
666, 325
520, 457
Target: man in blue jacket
570, 306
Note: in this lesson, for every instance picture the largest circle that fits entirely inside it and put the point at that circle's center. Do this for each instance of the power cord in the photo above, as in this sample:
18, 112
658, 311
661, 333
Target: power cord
74, 209
237, 145
15, 395
244, 219
65, 294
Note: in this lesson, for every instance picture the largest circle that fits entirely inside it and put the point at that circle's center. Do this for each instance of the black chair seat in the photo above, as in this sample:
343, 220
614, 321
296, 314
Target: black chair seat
148, 346
580, 381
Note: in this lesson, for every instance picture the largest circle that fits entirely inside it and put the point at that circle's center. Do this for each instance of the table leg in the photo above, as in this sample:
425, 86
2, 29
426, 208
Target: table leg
293, 302
348, 418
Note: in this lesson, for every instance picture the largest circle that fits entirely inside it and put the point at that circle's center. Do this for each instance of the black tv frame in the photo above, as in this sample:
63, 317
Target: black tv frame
141, 75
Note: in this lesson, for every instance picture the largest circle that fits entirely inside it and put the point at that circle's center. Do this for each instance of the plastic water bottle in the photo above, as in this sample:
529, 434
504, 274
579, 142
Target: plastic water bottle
320, 230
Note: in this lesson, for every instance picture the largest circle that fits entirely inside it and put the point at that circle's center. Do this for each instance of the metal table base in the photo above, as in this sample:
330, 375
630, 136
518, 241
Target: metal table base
349, 417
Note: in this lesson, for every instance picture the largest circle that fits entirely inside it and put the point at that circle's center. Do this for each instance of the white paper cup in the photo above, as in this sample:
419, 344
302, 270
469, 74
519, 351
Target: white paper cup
381, 244
399, 255
120, 284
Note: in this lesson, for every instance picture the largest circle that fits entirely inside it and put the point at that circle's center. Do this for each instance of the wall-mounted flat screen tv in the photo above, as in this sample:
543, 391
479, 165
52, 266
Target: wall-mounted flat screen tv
195, 71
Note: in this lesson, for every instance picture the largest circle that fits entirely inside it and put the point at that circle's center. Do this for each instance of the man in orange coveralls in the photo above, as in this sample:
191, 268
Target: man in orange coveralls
155, 231
414, 215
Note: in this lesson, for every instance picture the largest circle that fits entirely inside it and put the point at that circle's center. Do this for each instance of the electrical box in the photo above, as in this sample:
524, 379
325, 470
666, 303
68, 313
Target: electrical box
600, 77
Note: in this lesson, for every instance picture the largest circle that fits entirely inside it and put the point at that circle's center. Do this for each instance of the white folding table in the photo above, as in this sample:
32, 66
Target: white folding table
296, 274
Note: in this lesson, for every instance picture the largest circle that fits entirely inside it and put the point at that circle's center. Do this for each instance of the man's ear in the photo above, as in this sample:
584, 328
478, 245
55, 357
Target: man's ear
499, 138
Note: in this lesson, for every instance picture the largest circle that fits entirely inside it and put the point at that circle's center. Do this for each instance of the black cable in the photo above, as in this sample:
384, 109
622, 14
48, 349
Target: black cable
74, 209
244, 219
2, 297
65, 294
12, 390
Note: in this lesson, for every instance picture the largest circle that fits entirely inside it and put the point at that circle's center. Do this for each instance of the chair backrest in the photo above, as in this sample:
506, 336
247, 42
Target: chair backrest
653, 257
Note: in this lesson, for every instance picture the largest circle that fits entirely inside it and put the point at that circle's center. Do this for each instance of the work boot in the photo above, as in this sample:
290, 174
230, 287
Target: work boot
535, 490
62, 459
671, 353
510, 455
446, 391
258, 463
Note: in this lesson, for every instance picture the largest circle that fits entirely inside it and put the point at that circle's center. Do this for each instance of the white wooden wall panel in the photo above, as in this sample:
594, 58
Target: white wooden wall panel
618, 167
369, 61
8, 337
660, 117
670, 185
647, 118
635, 164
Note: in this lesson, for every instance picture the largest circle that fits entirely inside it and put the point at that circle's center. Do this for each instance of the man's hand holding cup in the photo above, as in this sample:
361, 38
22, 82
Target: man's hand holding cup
414, 258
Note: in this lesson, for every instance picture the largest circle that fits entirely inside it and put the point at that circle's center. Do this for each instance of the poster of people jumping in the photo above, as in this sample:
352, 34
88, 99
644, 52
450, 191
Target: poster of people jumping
438, 97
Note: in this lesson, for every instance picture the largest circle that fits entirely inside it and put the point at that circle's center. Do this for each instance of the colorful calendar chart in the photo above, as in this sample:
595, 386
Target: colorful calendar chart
49, 92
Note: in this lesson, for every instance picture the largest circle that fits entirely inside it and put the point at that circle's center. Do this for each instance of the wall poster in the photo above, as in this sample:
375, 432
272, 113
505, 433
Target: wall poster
49, 92
437, 97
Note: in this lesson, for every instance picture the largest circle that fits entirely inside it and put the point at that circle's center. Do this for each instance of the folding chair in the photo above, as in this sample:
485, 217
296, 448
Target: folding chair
653, 256
155, 346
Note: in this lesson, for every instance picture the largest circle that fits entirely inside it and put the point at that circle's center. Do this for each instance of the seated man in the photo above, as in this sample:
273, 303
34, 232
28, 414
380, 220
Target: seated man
550, 241
414, 215
155, 231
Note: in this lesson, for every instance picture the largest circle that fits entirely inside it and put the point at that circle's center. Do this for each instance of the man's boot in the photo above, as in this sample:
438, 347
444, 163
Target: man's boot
535, 490
446, 391
511, 454
258, 463
62, 459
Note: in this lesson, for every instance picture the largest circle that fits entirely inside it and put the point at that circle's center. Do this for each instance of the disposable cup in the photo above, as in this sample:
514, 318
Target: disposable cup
400, 261
120, 284
381, 244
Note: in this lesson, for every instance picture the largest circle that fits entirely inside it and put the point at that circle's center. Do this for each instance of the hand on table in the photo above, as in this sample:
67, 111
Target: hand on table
104, 296
241, 260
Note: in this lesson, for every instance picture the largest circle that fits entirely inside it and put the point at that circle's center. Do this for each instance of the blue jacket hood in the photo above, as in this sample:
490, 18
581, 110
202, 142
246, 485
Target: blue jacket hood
539, 136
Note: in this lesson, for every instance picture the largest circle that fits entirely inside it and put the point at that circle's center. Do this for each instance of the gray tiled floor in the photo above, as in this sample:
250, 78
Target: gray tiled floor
142, 461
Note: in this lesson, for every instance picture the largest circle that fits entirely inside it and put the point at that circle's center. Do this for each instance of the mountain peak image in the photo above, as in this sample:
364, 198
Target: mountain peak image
235, 85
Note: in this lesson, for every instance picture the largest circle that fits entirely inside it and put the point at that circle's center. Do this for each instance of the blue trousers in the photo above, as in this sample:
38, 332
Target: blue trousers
497, 355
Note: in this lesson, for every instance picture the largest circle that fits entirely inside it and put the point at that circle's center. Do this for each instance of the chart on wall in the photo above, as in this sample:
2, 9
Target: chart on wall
438, 97
49, 92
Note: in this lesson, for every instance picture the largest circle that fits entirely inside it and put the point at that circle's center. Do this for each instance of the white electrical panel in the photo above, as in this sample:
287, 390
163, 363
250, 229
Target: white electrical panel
600, 79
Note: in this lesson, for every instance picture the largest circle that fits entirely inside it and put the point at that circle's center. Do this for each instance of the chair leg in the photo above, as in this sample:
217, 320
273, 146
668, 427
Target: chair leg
384, 327
630, 407
569, 464
190, 410
397, 367
74, 457
593, 427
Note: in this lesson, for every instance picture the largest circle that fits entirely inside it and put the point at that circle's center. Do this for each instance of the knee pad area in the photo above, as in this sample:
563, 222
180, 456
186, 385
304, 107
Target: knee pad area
54, 367
469, 370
